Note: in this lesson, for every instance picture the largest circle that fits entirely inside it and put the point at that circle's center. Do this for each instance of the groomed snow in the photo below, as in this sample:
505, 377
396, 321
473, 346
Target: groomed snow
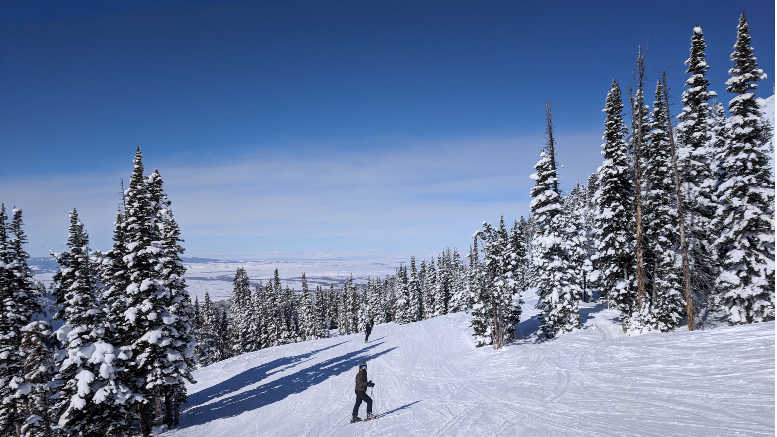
432, 381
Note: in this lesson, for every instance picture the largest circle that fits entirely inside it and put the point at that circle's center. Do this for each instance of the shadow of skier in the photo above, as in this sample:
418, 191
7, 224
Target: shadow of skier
386, 413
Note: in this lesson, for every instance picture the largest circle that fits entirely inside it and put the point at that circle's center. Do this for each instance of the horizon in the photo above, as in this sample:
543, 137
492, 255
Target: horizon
376, 133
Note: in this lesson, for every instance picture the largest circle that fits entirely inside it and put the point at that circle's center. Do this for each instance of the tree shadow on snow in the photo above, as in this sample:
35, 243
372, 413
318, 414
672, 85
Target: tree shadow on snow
527, 331
251, 376
278, 389
587, 314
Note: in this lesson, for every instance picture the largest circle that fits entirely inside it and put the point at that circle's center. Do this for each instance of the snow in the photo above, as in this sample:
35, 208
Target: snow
432, 381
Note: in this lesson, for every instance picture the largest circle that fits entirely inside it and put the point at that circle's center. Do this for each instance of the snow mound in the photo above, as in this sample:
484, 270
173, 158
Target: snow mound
430, 380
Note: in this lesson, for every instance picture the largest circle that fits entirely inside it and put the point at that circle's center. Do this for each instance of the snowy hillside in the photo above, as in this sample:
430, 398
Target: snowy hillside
432, 381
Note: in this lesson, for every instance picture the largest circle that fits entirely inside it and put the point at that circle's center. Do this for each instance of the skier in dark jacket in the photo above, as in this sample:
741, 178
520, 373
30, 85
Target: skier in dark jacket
368, 329
361, 393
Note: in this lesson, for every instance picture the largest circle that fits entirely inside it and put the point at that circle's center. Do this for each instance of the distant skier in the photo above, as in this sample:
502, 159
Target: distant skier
361, 393
368, 329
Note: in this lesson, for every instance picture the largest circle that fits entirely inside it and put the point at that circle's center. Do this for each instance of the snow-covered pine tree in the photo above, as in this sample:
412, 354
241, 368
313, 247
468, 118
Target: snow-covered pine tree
745, 216
719, 138
442, 295
591, 266
423, 289
575, 237
430, 289
239, 310
495, 313
414, 293
354, 301
86, 391
18, 304
665, 304
320, 313
557, 291
404, 310
696, 162
308, 321
34, 393
459, 295
179, 309
333, 307
390, 299
614, 222
474, 274
147, 298
223, 333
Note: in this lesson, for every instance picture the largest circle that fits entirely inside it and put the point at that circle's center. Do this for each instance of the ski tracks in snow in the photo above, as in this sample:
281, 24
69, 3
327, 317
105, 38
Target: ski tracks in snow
432, 381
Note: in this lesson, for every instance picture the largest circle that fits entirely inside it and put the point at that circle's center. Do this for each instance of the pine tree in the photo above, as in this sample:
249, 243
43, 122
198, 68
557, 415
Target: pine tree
179, 307
495, 313
404, 309
239, 312
696, 162
614, 220
557, 291
442, 295
87, 391
414, 294
308, 323
745, 216
430, 289
34, 393
459, 294
18, 304
665, 304
474, 274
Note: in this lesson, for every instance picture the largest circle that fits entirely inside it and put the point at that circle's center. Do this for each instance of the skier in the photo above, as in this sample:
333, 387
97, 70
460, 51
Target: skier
361, 393
368, 329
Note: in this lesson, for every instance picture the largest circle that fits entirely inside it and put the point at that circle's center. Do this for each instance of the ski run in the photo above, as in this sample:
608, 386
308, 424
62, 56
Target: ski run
431, 380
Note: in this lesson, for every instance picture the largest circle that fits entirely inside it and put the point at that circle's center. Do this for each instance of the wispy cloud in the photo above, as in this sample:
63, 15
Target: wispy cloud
413, 199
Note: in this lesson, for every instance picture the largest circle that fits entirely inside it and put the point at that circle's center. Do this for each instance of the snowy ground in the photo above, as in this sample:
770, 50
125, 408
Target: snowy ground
432, 381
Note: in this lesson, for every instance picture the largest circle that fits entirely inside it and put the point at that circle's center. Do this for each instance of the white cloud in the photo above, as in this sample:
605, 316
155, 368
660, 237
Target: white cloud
413, 199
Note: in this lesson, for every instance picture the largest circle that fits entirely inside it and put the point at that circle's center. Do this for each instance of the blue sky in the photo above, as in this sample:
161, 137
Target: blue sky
325, 128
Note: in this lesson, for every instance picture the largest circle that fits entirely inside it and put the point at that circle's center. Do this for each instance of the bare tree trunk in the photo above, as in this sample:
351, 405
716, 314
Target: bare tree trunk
680, 214
637, 108
551, 143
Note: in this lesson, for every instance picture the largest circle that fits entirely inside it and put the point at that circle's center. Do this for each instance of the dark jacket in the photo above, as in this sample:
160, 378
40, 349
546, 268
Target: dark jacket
361, 380
369, 326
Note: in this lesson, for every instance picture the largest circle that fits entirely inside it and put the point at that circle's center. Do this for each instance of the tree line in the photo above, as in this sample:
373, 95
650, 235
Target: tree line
676, 224
123, 348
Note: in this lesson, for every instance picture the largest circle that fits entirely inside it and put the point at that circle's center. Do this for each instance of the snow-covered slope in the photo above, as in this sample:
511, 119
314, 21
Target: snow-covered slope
432, 381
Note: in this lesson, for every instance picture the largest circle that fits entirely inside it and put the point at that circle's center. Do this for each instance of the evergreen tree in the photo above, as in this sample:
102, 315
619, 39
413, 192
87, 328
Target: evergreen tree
495, 314
404, 309
430, 289
18, 303
86, 388
459, 295
696, 162
665, 304
34, 393
614, 220
414, 294
308, 323
240, 310
474, 274
745, 216
558, 292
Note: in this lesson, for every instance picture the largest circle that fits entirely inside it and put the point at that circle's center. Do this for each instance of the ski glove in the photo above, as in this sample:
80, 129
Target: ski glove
370, 384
